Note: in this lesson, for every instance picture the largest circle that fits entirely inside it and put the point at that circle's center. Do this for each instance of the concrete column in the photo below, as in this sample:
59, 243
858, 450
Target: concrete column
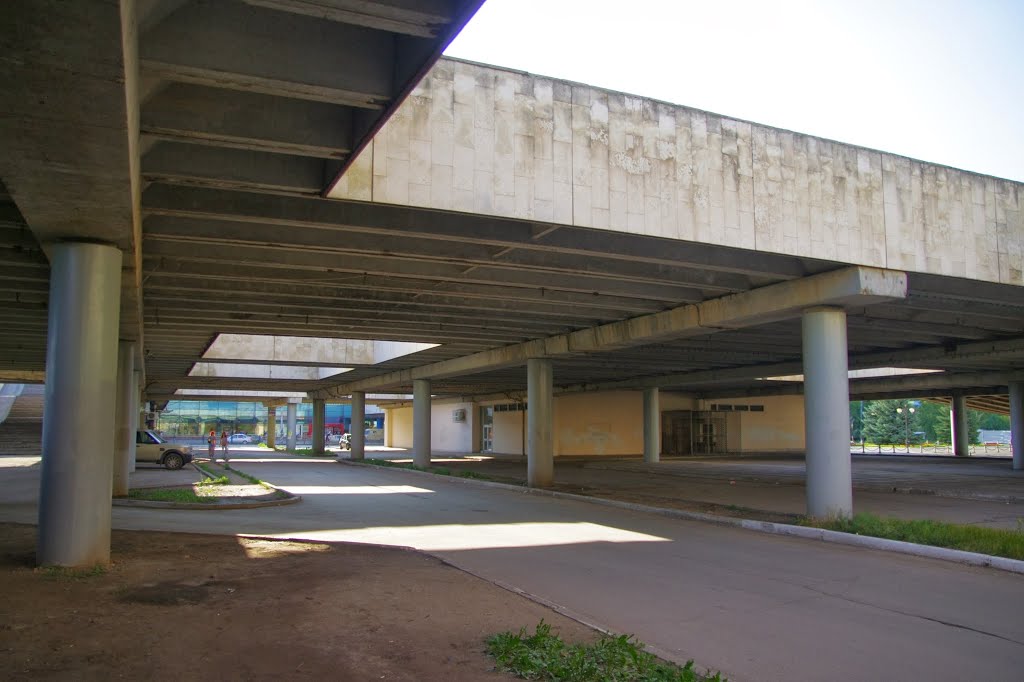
958, 425
78, 425
358, 423
319, 412
124, 435
652, 426
137, 416
272, 427
290, 438
827, 413
1017, 423
421, 422
540, 442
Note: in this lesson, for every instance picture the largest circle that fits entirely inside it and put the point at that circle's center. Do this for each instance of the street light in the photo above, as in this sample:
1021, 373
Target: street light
906, 425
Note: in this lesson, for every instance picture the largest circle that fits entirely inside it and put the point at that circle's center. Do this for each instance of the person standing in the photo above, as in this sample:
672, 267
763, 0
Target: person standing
211, 441
224, 446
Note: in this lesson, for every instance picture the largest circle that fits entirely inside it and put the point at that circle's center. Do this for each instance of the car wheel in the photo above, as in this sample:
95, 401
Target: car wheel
172, 460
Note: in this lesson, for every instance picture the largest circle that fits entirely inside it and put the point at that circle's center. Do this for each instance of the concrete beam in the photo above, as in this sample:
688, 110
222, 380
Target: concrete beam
243, 257
246, 120
922, 358
232, 168
277, 53
849, 286
419, 20
406, 222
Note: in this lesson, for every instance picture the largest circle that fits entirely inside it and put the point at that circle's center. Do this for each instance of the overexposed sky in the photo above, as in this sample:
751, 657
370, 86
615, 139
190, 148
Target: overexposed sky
938, 80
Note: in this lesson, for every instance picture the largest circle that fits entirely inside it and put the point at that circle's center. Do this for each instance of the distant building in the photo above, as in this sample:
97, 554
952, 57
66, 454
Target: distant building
986, 436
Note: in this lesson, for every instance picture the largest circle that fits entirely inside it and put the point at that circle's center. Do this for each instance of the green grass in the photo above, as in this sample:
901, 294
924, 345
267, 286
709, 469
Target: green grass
219, 480
67, 573
187, 495
544, 656
992, 541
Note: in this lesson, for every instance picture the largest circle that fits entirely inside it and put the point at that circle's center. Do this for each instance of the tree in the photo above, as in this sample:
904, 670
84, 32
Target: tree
857, 420
990, 421
933, 419
884, 425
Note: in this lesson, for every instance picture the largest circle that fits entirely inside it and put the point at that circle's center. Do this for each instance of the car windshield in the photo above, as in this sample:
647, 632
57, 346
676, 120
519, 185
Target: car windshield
150, 437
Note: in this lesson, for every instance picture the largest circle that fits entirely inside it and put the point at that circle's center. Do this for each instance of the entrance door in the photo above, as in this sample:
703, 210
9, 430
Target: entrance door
676, 434
486, 429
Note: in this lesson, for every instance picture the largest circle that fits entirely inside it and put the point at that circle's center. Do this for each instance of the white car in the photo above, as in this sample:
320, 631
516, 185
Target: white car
150, 447
240, 439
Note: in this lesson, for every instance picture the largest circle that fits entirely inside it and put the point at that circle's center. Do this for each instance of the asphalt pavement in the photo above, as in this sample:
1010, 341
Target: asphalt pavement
756, 606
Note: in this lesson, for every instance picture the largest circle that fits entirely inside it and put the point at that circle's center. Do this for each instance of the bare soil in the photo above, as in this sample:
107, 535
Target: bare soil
177, 606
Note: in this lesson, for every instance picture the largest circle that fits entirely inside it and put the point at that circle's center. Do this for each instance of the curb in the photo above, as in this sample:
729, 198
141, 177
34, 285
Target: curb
805, 532
156, 504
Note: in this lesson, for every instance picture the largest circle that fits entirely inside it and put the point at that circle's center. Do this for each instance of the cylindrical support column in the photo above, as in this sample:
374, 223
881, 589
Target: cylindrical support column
540, 443
421, 422
958, 429
137, 416
1017, 423
319, 412
292, 415
272, 427
358, 424
827, 413
78, 420
652, 426
124, 435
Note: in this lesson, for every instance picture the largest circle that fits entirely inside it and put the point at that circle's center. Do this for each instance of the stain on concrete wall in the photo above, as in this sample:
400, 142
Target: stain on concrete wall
487, 140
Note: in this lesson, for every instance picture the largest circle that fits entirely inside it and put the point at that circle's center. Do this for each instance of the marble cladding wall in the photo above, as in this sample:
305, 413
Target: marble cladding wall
485, 140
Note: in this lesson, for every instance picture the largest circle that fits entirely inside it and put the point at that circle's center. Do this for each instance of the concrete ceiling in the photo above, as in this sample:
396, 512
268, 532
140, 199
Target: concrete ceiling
202, 139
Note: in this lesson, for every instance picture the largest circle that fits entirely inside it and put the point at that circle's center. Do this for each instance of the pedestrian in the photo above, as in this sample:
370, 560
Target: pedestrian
211, 441
224, 446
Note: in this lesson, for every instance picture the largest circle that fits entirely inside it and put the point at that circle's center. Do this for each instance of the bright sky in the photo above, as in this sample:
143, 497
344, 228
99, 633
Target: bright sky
936, 80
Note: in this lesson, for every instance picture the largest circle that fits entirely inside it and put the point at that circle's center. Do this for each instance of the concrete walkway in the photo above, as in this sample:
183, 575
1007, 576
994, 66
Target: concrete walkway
979, 491
758, 607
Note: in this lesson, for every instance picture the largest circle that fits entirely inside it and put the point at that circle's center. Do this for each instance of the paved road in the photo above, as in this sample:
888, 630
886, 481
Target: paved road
758, 607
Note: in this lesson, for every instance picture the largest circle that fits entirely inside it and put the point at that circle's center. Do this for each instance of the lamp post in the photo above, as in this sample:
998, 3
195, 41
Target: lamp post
906, 412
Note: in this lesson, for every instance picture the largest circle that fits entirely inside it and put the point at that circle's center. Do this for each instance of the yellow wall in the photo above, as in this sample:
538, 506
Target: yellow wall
508, 433
605, 423
399, 427
779, 428
675, 401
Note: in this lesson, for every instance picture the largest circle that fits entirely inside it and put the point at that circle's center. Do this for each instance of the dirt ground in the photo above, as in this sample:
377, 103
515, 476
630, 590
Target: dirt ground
180, 606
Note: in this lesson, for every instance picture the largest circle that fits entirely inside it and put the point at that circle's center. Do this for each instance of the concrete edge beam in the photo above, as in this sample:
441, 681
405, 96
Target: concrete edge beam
857, 285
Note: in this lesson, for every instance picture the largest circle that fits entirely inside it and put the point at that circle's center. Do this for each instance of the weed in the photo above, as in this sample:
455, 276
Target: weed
544, 656
70, 573
220, 480
186, 495
992, 541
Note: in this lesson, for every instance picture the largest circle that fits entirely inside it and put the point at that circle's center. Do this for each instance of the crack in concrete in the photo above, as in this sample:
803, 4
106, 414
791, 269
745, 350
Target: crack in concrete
939, 621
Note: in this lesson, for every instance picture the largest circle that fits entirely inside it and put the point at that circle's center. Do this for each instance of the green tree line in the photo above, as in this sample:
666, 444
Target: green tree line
916, 421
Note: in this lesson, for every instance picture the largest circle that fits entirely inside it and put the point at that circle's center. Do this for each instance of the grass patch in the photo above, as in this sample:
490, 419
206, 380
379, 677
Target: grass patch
992, 541
68, 573
544, 656
186, 495
220, 480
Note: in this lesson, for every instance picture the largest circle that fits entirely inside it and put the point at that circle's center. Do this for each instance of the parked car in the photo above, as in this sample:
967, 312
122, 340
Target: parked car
150, 447
240, 438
